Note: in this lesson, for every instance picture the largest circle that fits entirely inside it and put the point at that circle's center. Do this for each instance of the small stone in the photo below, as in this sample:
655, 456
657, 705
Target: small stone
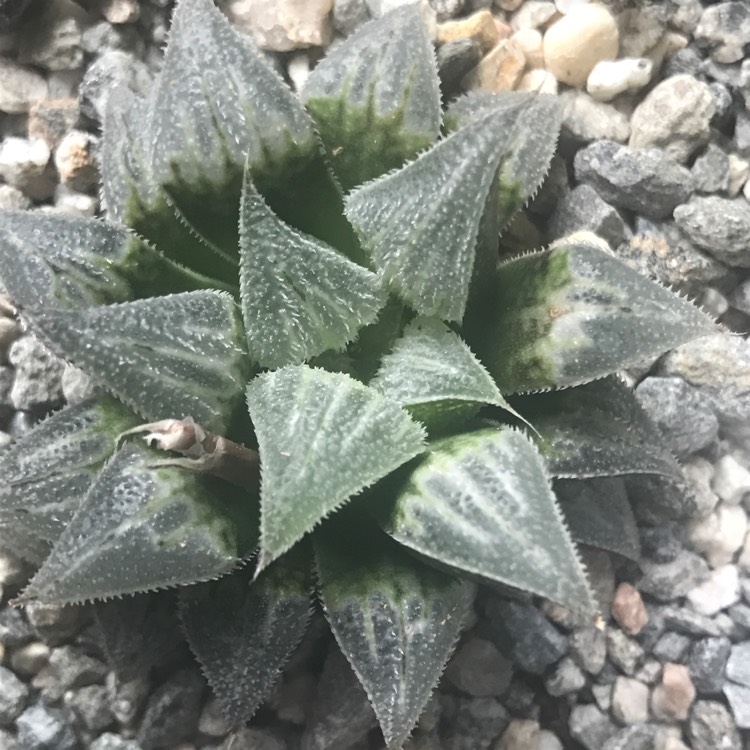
90, 705
52, 623
121, 11
584, 209
75, 159
283, 25
710, 170
707, 661
629, 701
23, 161
718, 591
68, 667
479, 26
686, 620
719, 535
524, 635
526, 734
479, 669
726, 28
588, 646
739, 299
738, 665
625, 653
671, 647
29, 659
500, 70
12, 569
727, 239
588, 120
641, 29
253, 738
12, 199
50, 120
673, 696
533, 14
455, 60
349, 15
109, 741
710, 727
675, 116
20, 87
731, 480
628, 609
469, 723
647, 181
212, 721
72, 203
531, 43
53, 42
38, 372
739, 171
669, 581
610, 78
719, 366
738, 697
590, 726
539, 81
565, 679
43, 728
13, 697
683, 415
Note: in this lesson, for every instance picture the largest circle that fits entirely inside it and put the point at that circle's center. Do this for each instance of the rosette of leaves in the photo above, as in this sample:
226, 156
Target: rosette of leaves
308, 290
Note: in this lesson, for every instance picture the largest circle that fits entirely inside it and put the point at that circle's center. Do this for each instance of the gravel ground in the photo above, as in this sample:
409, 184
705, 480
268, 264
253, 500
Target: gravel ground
655, 158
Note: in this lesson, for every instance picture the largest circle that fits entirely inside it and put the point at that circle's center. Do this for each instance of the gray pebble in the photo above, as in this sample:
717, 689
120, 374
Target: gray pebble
682, 413
739, 701
588, 646
647, 181
724, 106
657, 499
479, 669
20, 87
13, 696
590, 726
52, 623
455, 59
349, 15
172, 711
44, 728
525, 635
110, 741
661, 543
37, 383
252, 738
710, 170
8, 741
738, 665
671, 647
689, 622
710, 727
584, 209
721, 226
740, 297
668, 581
640, 737
740, 616
68, 667
708, 659
725, 28
566, 678
90, 705
585, 119
685, 61
471, 723
624, 652
12, 199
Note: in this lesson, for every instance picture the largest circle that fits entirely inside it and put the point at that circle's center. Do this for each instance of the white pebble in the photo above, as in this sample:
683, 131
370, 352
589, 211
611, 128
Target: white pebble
731, 480
612, 77
530, 42
11, 569
299, 69
565, 6
739, 171
719, 535
538, 80
720, 590
22, 160
72, 203
533, 14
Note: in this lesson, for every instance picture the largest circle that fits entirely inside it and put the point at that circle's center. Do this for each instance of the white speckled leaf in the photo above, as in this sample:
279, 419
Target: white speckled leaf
300, 297
575, 313
396, 620
138, 529
243, 631
435, 376
481, 502
323, 437
167, 357
376, 98
46, 472
597, 429
420, 224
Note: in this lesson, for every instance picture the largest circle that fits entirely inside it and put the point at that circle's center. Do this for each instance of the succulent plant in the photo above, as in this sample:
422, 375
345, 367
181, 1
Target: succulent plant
343, 385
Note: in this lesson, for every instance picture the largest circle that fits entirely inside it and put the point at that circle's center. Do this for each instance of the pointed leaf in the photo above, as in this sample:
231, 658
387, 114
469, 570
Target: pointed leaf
420, 224
575, 313
376, 98
396, 620
598, 514
481, 502
243, 631
142, 527
300, 297
597, 429
323, 437
167, 357
533, 124
47, 471
434, 375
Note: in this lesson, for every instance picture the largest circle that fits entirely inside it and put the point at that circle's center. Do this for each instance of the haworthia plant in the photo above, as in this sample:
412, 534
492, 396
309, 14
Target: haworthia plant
348, 400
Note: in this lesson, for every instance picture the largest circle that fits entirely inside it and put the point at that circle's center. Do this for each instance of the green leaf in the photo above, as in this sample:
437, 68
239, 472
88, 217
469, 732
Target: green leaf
533, 125
420, 224
323, 437
598, 514
597, 429
376, 97
166, 358
481, 502
47, 471
434, 375
143, 527
572, 314
300, 297
396, 620
243, 631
